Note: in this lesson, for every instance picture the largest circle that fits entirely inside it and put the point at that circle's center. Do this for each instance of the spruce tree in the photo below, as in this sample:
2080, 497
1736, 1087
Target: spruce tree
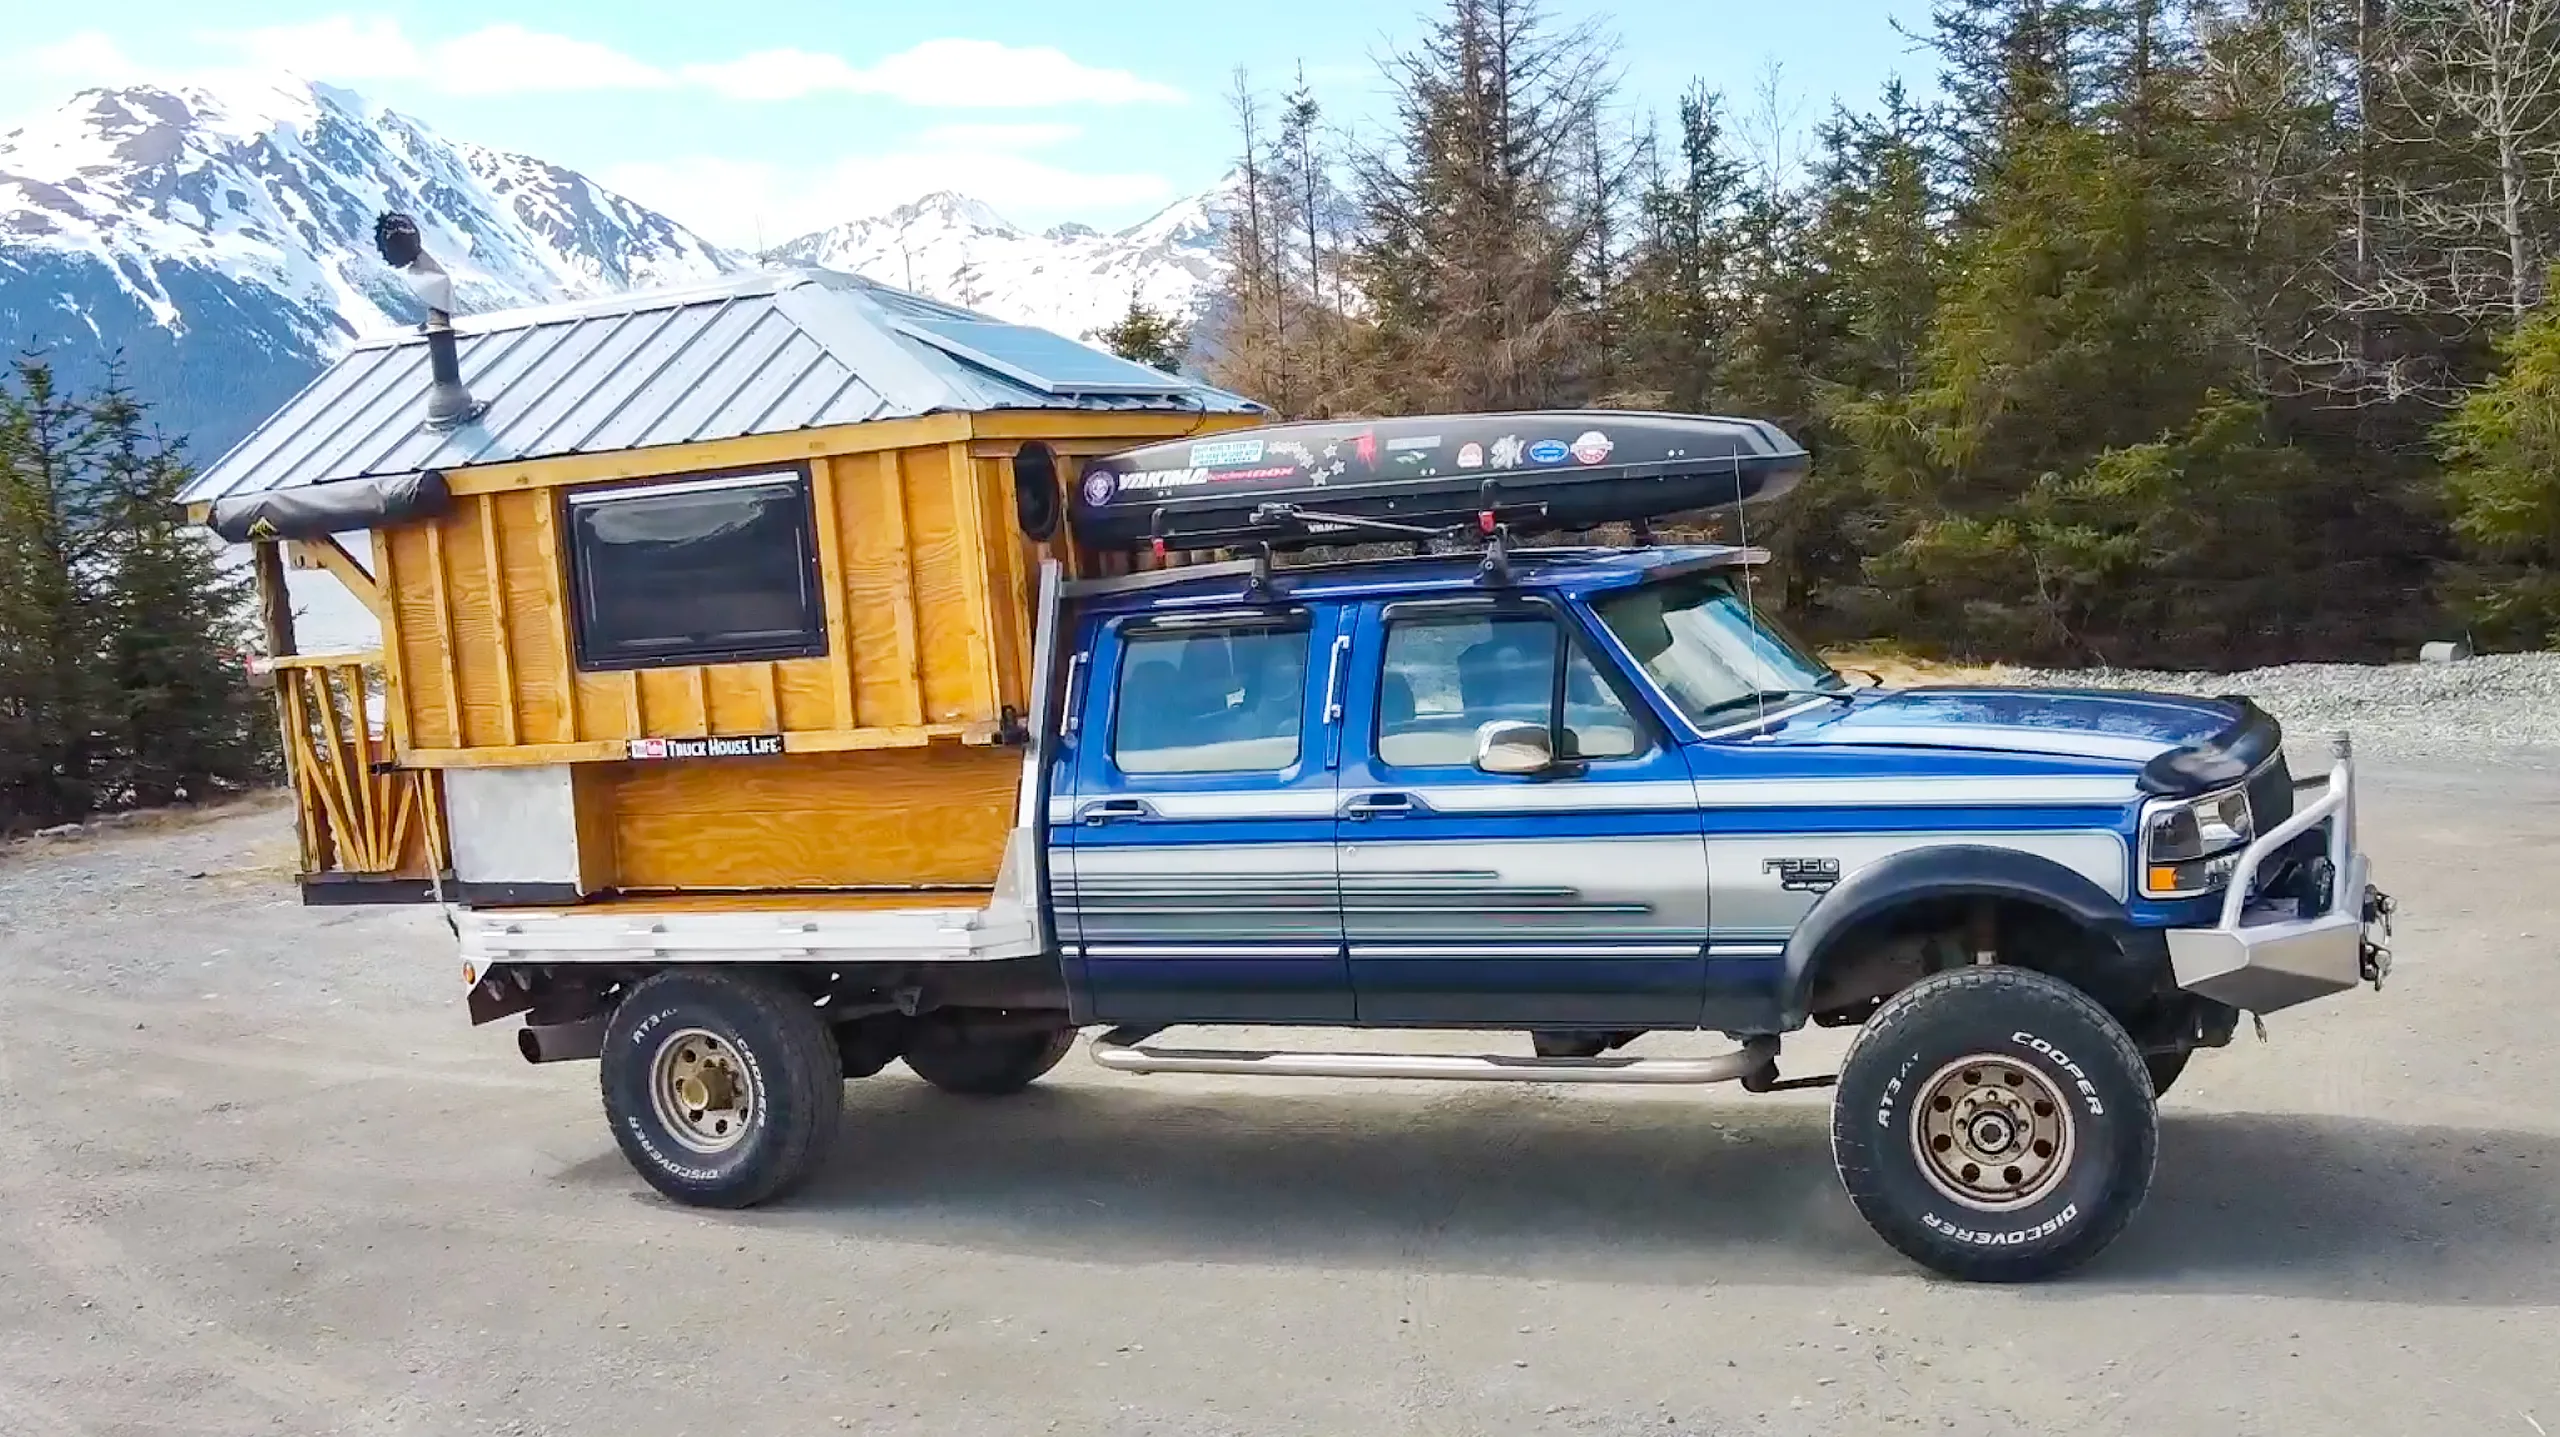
1145, 336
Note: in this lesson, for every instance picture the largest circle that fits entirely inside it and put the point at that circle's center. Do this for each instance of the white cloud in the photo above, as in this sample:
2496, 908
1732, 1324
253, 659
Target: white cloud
1036, 135
335, 47
499, 59
754, 204
84, 57
938, 74
508, 58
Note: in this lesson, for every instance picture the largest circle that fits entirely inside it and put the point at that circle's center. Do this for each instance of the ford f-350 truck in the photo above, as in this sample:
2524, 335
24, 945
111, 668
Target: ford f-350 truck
1562, 797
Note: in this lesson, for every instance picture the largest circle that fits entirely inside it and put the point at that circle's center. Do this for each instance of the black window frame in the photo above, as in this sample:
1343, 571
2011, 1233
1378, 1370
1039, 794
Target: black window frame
1571, 641
811, 642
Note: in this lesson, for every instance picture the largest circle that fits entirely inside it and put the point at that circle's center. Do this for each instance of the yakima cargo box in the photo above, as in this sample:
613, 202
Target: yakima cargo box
1559, 469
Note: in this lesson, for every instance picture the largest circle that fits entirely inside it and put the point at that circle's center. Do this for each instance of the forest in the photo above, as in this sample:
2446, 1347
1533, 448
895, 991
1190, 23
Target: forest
122, 642
2195, 335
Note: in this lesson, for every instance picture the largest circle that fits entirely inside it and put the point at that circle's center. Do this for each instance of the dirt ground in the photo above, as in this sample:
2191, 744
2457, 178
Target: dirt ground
259, 1176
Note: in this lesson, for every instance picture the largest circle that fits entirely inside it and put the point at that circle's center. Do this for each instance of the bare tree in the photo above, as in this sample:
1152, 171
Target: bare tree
2475, 113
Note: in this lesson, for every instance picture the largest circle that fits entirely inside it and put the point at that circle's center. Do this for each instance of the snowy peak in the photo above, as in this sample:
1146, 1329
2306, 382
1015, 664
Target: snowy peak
219, 240
1071, 278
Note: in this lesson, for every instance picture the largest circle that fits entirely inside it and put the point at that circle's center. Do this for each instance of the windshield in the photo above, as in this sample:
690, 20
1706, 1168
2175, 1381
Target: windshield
1708, 651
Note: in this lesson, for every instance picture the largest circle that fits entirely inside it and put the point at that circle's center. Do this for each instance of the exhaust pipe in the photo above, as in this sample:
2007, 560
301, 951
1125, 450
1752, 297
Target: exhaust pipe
560, 1042
449, 405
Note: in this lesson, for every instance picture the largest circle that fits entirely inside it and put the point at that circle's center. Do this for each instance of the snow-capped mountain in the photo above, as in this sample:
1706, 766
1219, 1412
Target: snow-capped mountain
222, 241
1071, 278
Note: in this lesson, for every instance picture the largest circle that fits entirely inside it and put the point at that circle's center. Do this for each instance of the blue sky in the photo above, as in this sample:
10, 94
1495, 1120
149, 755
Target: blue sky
758, 121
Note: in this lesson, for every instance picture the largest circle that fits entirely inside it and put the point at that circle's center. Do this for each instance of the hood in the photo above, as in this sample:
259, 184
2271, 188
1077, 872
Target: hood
2123, 726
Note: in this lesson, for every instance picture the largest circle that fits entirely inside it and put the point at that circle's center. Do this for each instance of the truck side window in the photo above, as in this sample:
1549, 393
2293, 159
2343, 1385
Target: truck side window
1221, 700
1444, 679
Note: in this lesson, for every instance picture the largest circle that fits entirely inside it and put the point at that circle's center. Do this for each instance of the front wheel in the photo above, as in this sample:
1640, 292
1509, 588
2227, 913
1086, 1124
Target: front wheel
722, 1087
1995, 1125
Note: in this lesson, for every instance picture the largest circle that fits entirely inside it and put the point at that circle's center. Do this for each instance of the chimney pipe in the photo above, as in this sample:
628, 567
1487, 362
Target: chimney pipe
449, 405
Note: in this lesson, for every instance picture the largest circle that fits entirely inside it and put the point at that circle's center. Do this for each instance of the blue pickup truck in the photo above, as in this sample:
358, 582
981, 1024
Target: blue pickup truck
1564, 797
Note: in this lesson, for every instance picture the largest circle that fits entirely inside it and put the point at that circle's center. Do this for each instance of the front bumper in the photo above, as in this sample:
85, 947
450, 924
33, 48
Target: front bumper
2262, 955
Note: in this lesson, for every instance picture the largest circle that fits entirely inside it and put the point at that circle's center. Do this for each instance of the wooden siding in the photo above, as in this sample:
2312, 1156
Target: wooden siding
911, 817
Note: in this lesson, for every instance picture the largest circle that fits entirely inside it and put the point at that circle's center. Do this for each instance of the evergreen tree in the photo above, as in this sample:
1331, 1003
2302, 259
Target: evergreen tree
2502, 447
1146, 336
53, 627
185, 720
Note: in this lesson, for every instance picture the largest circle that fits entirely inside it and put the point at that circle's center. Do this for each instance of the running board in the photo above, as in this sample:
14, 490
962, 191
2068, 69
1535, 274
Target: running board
1123, 1050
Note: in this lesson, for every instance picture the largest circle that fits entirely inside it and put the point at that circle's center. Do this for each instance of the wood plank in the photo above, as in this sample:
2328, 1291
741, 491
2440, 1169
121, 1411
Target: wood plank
394, 660
978, 541
830, 520
437, 597
701, 686
879, 592
613, 749
948, 622
510, 702
808, 694
325, 553
747, 452
771, 900
555, 606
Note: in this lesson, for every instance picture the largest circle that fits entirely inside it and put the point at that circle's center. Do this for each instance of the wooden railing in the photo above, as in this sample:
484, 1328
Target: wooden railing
358, 815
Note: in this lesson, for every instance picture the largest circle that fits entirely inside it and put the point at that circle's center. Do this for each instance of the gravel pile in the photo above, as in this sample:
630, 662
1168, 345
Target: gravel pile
2497, 700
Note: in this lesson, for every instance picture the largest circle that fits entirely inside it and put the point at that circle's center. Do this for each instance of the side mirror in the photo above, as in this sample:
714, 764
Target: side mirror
1515, 748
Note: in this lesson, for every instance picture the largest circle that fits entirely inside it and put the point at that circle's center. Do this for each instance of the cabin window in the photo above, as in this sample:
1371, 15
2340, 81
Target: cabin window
697, 572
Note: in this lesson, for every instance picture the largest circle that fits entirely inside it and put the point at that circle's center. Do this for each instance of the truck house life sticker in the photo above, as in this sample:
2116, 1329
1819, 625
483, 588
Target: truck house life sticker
756, 745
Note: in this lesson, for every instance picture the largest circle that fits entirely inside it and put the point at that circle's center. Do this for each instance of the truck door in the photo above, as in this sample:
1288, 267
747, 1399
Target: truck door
1200, 880
1574, 898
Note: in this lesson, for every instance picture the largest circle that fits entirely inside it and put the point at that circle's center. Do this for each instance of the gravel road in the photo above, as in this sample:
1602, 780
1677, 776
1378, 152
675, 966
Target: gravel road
259, 1176
2501, 701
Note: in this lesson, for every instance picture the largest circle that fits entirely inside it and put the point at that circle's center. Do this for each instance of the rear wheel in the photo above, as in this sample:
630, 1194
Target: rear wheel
1995, 1125
984, 1063
722, 1088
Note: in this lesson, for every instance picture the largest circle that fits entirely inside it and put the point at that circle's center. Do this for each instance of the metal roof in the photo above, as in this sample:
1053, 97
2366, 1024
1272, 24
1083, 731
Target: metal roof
765, 353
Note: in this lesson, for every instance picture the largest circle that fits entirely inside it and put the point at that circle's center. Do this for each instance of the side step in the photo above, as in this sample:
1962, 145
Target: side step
1123, 1050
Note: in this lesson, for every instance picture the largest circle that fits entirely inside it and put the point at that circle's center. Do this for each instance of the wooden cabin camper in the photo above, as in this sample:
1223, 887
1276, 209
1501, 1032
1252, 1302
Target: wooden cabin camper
724, 590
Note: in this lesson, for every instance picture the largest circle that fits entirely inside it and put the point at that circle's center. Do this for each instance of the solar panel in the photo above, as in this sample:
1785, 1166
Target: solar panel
1047, 362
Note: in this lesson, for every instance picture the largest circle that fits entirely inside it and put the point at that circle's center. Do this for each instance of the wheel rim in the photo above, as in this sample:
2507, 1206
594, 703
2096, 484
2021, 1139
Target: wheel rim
1992, 1132
704, 1093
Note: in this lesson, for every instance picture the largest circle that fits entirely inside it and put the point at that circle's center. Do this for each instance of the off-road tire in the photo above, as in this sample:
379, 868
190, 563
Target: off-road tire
2053, 1040
2165, 1068
984, 1066
787, 1054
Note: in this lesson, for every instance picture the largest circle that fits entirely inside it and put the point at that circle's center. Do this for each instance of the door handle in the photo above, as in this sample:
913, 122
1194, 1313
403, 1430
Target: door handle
1107, 810
1381, 805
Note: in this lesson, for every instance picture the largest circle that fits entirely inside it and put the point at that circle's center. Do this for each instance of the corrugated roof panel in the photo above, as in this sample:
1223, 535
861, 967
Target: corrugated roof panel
807, 399
790, 362
712, 392
765, 353
254, 455
610, 398
649, 415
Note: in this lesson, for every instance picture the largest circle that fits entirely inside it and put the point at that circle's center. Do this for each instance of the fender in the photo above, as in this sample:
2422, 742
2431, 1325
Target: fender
1949, 871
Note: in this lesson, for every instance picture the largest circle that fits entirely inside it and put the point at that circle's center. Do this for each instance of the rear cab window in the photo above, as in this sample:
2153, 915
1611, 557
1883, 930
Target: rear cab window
1210, 699
1442, 678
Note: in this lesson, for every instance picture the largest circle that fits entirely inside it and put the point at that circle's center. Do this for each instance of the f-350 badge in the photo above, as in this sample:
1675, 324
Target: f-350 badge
1803, 875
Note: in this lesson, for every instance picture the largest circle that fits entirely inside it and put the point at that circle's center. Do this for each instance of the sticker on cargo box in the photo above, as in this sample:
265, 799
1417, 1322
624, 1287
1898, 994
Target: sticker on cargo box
754, 745
1225, 453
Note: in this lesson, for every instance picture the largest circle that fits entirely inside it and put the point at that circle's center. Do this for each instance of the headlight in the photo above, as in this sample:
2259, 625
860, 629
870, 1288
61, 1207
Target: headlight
2189, 846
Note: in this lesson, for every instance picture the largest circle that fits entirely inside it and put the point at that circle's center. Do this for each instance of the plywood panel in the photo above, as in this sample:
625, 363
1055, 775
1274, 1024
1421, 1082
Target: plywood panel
807, 689
742, 698
672, 701
904, 817
879, 591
